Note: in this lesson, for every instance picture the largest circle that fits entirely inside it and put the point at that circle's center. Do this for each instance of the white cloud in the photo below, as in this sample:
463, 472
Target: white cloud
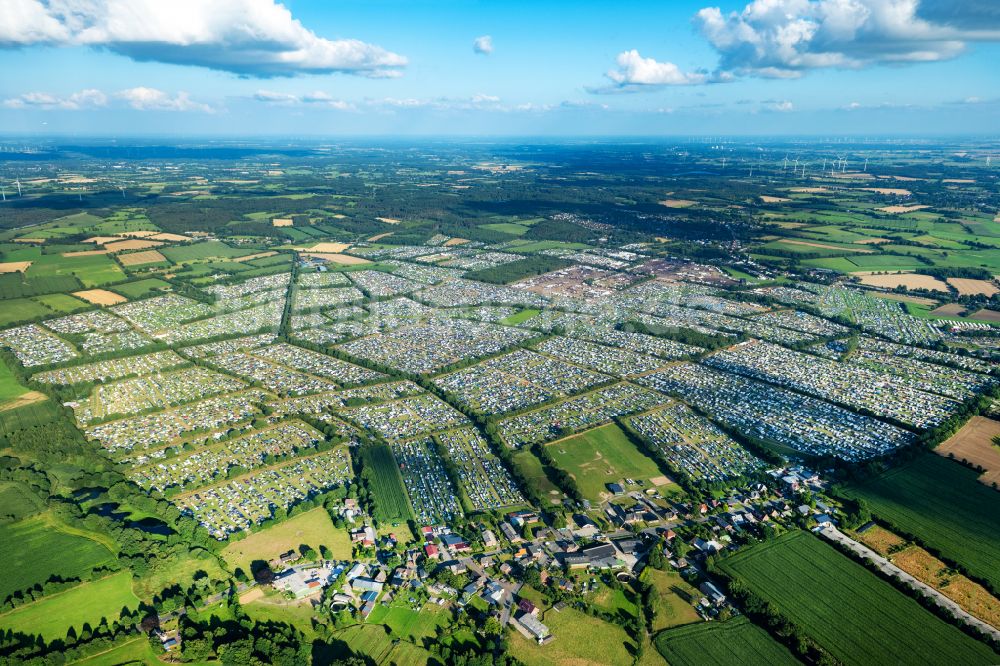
785, 38
485, 99
150, 99
783, 106
316, 99
635, 73
88, 98
253, 38
483, 45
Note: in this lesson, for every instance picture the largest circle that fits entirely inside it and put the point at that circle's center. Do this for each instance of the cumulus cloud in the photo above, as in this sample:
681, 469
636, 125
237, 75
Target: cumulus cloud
150, 99
88, 98
635, 73
252, 38
483, 45
786, 38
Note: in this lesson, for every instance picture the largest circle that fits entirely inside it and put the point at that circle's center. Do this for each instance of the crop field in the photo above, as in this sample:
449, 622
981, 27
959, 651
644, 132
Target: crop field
22, 309
61, 302
86, 603
205, 250
17, 501
943, 505
407, 623
10, 388
312, 528
37, 549
92, 270
848, 610
382, 473
28, 416
601, 456
531, 468
736, 641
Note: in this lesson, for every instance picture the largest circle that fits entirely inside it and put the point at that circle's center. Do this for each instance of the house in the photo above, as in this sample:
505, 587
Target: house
823, 520
489, 539
363, 584
493, 592
509, 532
431, 551
521, 518
526, 607
534, 626
616, 488
713, 593
454, 542
628, 546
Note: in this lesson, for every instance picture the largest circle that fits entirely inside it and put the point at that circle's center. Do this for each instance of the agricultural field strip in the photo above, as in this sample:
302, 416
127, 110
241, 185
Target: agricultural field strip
846, 624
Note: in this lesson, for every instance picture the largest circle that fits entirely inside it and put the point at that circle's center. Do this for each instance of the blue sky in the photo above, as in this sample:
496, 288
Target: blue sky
348, 67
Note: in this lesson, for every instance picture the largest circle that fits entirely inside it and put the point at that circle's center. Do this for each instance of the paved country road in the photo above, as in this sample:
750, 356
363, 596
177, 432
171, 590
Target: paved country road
887, 567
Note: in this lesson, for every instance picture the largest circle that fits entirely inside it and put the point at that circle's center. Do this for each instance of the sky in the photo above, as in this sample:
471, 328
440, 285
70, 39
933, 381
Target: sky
315, 68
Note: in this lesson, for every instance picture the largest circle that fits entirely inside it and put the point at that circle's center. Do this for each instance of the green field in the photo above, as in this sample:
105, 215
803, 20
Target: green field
673, 603
845, 608
28, 416
21, 309
92, 269
507, 228
384, 480
10, 388
312, 528
375, 644
204, 250
531, 468
140, 288
52, 615
61, 302
409, 624
736, 642
945, 507
601, 456
17, 501
37, 548
520, 317
580, 640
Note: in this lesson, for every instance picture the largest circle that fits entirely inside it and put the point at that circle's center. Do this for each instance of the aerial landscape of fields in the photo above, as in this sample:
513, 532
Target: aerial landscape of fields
475, 334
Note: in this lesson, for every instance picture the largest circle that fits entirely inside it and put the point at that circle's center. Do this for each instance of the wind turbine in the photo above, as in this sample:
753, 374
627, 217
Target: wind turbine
823, 170
3, 191
122, 188
17, 182
785, 165
724, 163
866, 165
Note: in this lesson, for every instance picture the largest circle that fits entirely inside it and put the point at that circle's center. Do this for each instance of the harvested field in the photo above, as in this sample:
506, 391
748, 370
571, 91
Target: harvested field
145, 233
329, 247
891, 191
769, 199
378, 237
101, 240
901, 209
14, 266
134, 244
282, 222
904, 298
871, 241
29, 240
908, 280
949, 310
971, 596
880, 539
388, 220
968, 286
174, 238
100, 296
826, 247
337, 258
251, 257
809, 190
139, 258
677, 203
29, 398
84, 253
974, 443
957, 180
455, 241
987, 315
